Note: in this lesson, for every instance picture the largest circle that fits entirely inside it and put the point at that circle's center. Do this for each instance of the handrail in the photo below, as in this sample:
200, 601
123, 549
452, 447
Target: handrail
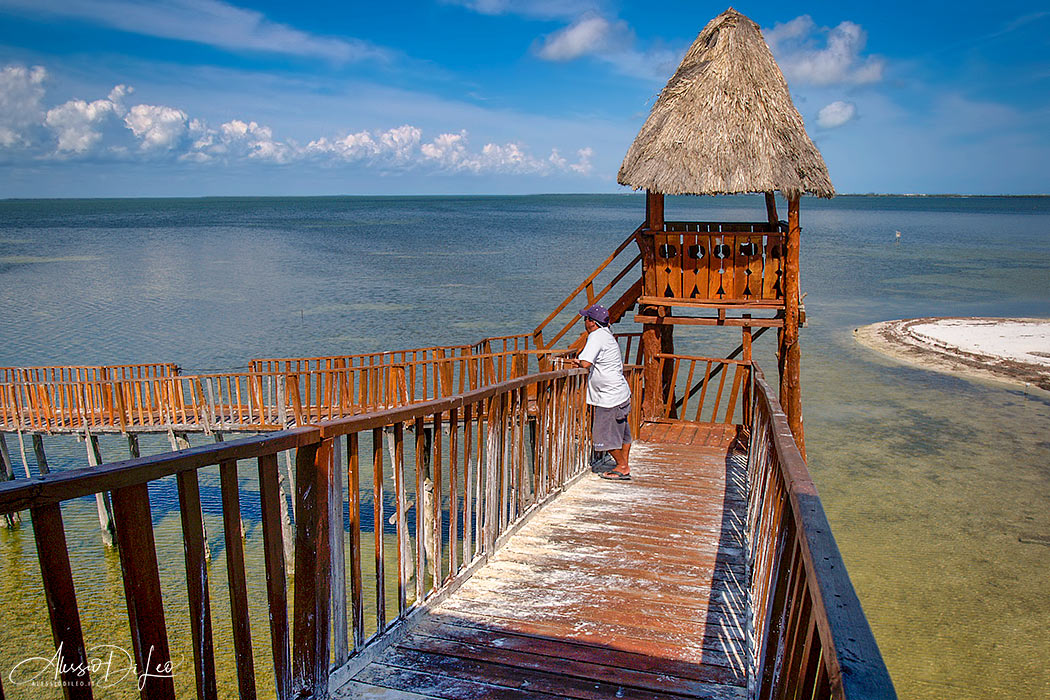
587, 284
472, 446
811, 636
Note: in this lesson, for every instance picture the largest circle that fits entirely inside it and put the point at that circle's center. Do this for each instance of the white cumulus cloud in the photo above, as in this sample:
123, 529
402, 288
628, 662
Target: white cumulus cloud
157, 127
21, 99
836, 114
78, 123
816, 55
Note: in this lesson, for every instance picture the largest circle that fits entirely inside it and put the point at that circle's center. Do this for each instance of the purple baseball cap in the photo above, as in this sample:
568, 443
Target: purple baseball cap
596, 312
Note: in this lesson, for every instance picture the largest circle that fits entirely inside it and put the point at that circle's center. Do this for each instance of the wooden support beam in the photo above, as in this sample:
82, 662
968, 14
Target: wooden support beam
790, 352
7, 473
771, 211
652, 319
41, 457
102, 500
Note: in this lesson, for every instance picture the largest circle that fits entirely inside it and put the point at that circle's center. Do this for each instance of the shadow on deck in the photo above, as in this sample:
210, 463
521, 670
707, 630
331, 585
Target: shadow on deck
625, 590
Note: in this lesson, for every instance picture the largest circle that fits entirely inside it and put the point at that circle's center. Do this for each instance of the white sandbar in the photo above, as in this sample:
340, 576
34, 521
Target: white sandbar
1015, 350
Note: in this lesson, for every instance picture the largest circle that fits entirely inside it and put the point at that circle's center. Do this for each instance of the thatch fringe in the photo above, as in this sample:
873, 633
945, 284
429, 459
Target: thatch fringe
725, 123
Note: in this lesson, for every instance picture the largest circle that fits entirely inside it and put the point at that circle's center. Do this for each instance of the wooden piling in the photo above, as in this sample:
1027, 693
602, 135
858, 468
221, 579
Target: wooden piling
790, 352
102, 501
7, 473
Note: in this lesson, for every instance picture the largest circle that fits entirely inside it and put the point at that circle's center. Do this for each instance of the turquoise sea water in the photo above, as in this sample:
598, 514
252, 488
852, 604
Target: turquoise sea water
937, 487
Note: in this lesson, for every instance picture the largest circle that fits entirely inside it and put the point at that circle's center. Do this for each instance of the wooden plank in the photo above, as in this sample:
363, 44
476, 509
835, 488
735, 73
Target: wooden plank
377, 525
312, 560
271, 506
420, 509
238, 584
453, 491
356, 579
138, 563
337, 545
194, 548
404, 556
57, 578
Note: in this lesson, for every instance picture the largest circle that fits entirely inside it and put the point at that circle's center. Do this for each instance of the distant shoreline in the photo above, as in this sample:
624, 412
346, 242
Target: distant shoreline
865, 195
1012, 350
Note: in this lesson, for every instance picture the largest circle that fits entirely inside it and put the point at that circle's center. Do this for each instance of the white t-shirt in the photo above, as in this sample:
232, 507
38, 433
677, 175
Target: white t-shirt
606, 386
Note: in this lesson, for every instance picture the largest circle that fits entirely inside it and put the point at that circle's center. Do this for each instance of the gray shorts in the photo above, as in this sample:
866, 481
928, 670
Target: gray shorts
611, 430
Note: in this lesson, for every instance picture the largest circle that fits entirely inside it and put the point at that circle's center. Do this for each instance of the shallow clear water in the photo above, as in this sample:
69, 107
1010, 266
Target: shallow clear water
937, 487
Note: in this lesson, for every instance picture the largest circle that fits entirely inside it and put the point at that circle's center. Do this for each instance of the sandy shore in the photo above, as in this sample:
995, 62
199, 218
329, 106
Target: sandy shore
1014, 350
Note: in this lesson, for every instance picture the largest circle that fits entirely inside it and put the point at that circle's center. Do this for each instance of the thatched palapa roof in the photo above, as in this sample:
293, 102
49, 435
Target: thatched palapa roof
725, 123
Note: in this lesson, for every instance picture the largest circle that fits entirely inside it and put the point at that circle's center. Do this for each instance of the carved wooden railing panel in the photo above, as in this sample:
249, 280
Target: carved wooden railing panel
811, 637
719, 263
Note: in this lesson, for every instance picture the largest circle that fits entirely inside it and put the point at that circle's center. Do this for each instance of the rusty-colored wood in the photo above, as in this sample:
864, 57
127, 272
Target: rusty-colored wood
378, 521
790, 352
138, 563
271, 507
353, 472
310, 634
59, 593
198, 597
238, 585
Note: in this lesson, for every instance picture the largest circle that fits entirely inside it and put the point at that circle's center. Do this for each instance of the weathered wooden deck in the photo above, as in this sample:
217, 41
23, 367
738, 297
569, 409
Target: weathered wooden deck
616, 589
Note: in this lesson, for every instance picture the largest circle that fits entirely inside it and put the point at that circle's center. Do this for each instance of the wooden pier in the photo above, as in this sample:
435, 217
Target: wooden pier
613, 591
518, 574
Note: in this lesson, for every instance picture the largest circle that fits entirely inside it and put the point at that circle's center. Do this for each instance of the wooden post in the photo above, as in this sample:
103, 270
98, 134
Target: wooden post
38, 450
133, 445
7, 473
105, 509
771, 211
655, 337
310, 612
790, 352
745, 355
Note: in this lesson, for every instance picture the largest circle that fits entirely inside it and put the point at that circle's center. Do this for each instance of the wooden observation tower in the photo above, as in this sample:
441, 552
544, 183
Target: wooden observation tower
724, 124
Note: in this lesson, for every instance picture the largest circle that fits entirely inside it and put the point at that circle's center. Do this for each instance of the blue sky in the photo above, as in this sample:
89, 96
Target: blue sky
206, 97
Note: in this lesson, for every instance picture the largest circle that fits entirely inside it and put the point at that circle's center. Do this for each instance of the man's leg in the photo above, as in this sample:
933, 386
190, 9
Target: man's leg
621, 456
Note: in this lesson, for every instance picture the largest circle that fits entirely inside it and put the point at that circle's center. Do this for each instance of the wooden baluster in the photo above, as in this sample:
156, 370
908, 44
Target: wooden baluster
356, 580
453, 489
688, 390
60, 595
468, 475
402, 522
718, 396
377, 522
310, 629
138, 563
272, 506
194, 544
421, 449
737, 375
703, 392
242, 631
336, 543
437, 524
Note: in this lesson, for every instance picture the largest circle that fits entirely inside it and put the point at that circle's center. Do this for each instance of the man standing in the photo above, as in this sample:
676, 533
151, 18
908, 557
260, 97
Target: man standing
607, 391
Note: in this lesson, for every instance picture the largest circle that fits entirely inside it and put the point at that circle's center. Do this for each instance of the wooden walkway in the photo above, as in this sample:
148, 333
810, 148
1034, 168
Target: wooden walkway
615, 590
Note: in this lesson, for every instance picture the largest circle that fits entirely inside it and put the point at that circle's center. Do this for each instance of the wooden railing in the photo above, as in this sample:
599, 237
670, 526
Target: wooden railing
497, 463
78, 373
812, 639
722, 263
590, 296
705, 378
